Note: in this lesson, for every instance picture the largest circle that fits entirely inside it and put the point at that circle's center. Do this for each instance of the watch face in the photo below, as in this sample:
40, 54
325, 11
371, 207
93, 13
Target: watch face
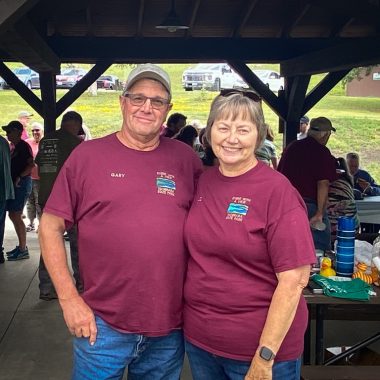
266, 354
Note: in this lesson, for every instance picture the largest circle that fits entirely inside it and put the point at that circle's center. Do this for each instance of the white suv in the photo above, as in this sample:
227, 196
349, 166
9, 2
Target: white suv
210, 76
271, 79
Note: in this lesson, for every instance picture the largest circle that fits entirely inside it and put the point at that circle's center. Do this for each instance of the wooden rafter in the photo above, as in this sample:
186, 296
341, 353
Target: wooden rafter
140, 18
340, 25
292, 19
193, 16
244, 17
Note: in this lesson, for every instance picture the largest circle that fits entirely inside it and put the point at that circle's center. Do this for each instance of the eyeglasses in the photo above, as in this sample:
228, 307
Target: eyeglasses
139, 100
36, 130
249, 94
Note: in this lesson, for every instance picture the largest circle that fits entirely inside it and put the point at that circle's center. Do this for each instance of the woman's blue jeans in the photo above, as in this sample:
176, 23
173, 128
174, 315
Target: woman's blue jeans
148, 358
207, 366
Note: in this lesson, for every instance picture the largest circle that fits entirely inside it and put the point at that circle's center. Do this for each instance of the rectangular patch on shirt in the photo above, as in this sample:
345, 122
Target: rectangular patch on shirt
165, 183
238, 208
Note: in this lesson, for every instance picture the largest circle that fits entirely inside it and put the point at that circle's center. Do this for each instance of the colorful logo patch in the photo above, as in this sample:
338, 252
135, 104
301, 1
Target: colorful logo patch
165, 184
235, 208
238, 208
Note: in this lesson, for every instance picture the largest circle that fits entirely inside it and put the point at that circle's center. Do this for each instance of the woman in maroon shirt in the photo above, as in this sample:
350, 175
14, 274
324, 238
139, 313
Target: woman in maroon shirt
250, 254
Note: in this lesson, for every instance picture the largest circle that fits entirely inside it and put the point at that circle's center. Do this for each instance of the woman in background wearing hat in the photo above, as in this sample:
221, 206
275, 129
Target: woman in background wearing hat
244, 313
21, 168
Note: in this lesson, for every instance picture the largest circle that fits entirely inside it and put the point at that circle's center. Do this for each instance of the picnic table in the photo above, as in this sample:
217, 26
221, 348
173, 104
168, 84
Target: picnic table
369, 209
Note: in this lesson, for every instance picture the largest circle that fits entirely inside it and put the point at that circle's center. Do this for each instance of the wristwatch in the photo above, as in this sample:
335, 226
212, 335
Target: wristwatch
266, 354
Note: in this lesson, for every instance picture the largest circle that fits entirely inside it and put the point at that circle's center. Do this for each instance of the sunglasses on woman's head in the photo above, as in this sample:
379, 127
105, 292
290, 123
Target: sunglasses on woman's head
249, 94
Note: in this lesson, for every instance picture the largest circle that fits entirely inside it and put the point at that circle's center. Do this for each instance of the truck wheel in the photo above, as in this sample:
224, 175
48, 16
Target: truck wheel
217, 84
188, 89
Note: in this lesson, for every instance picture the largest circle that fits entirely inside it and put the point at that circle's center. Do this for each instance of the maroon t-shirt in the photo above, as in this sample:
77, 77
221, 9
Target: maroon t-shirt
304, 163
130, 207
240, 232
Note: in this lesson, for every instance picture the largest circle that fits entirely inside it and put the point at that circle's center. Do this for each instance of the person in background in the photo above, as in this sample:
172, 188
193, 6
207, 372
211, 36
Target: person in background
187, 135
244, 314
363, 181
206, 154
54, 150
341, 200
310, 167
304, 127
130, 312
6, 188
175, 123
24, 118
32, 206
21, 168
267, 151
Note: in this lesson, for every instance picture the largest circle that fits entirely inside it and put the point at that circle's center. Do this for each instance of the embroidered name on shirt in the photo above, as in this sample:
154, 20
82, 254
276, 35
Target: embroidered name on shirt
118, 175
165, 184
238, 208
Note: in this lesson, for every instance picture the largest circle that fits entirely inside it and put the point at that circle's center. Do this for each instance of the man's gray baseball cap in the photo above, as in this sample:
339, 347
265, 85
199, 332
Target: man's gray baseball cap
149, 71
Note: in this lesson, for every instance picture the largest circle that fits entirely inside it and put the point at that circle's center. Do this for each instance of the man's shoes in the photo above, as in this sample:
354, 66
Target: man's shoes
19, 255
30, 227
48, 295
10, 253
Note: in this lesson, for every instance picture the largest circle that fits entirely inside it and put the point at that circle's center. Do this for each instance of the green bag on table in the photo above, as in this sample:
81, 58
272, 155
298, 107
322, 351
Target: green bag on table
355, 289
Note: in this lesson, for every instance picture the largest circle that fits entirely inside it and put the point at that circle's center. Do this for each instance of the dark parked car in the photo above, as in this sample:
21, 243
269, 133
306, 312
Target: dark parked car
69, 77
109, 82
30, 78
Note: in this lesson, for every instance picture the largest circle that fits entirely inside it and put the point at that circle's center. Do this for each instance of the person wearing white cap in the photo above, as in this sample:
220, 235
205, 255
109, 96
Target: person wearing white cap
123, 190
24, 118
310, 167
32, 206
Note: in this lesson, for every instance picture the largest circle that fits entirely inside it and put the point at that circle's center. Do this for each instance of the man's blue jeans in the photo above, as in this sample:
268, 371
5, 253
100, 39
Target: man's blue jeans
207, 366
148, 358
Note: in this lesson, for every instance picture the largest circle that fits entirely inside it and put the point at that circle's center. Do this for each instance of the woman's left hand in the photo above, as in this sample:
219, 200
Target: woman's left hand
259, 369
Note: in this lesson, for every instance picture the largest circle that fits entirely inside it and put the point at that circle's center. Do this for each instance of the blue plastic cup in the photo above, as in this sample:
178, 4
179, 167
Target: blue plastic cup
344, 269
345, 250
345, 258
346, 242
345, 234
346, 224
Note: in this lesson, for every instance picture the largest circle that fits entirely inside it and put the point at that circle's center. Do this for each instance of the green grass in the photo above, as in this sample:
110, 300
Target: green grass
357, 119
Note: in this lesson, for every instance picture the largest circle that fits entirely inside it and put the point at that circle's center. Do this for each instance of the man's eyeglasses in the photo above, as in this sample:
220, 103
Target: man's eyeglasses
36, 130
139, 100
249, 94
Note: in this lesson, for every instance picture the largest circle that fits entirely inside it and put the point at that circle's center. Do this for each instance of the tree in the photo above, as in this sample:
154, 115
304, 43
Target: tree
357, 73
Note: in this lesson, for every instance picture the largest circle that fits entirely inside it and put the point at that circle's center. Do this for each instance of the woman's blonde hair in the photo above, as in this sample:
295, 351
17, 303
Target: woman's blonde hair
237, 105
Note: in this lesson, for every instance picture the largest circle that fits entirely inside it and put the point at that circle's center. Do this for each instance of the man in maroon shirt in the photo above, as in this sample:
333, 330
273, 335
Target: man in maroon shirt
123, 190
310, 167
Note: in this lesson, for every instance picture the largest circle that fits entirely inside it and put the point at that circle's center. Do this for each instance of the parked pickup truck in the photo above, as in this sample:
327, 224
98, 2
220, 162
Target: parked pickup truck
210, 76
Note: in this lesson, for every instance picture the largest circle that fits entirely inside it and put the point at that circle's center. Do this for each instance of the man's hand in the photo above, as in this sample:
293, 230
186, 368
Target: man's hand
363, 184
260, 369
79, 318
315, 219
17, 182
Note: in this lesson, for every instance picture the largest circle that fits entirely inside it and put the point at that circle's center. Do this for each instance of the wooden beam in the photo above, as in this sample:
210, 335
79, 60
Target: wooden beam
167, 49
244, 17
339, 26
30, 48
193, 17
322, 89
251, 79
75, 92
20, 88
294, 15
48, 97
12, 10
346, 55
140, 18
295, 91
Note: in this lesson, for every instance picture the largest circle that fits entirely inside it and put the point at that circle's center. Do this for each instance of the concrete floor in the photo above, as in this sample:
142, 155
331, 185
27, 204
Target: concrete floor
34, 341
